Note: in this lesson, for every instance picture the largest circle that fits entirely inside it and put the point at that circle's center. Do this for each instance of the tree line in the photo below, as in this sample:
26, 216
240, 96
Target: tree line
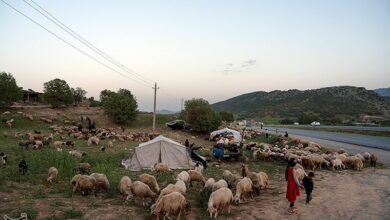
120, 107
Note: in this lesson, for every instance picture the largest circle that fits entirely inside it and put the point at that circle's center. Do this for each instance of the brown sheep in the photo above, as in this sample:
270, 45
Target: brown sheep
373, 159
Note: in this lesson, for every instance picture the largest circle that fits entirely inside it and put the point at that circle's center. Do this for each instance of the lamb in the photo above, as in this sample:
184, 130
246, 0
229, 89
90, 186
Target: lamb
196, 176
141, 190
125, 186
77, 153
373, 159
171, 203
244, 187
84, 168
53, 173
366, 156
5, 134
86, 184
357, 164
74, 181
337, 163
101, 181
219, 199
59, 143
150, 181
9, 122
93, 141
110, 144
209, 183
263, 179
6, 113
161, 167
179, 186
308, 163
219, 184
230, 178
184, 176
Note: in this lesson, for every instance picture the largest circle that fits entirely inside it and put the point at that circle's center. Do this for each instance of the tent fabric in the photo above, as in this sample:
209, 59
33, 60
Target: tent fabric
161, 150
237, 136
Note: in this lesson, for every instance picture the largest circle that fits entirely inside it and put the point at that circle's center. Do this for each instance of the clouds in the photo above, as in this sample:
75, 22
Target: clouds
246, 65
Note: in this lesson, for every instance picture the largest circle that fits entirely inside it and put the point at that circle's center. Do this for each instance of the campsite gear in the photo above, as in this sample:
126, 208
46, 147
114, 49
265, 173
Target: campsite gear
230, 134
161, 150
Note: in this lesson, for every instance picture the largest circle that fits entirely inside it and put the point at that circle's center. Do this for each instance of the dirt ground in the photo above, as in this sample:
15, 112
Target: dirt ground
342, 195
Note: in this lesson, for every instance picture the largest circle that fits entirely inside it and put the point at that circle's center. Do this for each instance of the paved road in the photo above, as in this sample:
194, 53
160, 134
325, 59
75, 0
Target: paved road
356, 139
362, 128
353, 143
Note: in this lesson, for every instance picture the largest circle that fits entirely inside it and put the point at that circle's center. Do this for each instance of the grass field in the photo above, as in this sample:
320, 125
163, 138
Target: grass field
30, 193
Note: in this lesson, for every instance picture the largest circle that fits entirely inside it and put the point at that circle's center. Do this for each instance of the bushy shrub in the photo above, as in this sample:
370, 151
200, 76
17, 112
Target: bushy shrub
201, 116
120, 106
9, 91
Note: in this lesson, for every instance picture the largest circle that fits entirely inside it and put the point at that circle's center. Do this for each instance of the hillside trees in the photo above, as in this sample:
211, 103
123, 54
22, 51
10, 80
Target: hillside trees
57, 93
78, 95
9, 91
200, 115
120, 106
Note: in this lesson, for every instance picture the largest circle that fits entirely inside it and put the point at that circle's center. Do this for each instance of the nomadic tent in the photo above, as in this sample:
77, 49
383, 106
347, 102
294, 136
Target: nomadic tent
161, 150
223, 132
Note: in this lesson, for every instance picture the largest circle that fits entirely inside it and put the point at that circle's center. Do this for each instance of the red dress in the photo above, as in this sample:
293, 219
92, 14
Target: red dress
292, 188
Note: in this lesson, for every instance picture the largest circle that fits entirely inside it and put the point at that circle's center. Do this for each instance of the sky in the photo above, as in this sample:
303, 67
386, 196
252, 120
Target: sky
199, 49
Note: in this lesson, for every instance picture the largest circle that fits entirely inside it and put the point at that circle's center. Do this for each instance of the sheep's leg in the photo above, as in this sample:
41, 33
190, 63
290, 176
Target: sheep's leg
228, 208
216, 213
178, 216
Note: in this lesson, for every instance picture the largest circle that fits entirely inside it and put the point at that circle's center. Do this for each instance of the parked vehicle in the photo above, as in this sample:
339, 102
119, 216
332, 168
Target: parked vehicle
179, 125
315, 123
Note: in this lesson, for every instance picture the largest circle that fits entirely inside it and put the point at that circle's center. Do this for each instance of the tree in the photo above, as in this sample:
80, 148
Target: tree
200, 115
78, 95
9, 91
226, 116
120, 106
57, 93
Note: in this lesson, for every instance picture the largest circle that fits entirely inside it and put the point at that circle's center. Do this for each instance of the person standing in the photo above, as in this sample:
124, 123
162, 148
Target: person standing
292, 186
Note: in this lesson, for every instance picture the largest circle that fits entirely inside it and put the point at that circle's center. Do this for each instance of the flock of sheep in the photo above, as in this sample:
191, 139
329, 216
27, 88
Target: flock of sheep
310, 156
171, 199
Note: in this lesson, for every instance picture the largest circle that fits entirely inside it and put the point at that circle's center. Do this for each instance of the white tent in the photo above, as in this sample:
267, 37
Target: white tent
237, 136
160, 150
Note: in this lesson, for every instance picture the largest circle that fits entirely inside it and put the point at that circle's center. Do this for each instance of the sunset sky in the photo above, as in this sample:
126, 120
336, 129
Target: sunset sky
199, 49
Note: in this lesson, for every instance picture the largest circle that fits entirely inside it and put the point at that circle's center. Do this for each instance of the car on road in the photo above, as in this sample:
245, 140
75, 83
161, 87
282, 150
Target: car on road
315, 123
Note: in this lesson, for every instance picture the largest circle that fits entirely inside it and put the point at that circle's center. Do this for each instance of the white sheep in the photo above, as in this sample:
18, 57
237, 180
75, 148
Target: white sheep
150, 181
263, 179
86, 184
184, 176
219, 199
93, 141
101, 181
209, 183
125, 186
337, 164
244, 187
196, 176
230, 178
52, 174
171, 203
367, 156
219, 184
110, 144
58, 144
161, 167
141, 190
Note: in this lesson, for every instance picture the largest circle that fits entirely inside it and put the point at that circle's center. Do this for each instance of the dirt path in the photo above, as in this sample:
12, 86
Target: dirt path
343, 195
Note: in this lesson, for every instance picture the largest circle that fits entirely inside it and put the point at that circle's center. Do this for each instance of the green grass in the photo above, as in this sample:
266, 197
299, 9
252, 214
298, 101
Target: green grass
73, 213
272, 139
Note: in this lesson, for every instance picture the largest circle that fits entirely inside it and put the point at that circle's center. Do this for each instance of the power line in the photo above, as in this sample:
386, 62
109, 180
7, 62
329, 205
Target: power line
60, 38
64, 27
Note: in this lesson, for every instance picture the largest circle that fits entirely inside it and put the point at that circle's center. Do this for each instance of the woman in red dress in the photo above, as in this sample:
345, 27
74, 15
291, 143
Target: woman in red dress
292, 186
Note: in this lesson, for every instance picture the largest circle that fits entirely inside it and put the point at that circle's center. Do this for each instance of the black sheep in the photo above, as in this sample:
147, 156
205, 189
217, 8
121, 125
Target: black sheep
4, 159
23, 167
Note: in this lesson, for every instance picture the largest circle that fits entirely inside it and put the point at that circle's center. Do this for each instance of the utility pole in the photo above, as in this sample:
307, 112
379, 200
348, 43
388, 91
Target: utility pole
182, 101
154, 106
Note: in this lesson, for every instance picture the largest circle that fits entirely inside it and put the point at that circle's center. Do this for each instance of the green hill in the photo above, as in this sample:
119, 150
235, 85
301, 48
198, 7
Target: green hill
326, 103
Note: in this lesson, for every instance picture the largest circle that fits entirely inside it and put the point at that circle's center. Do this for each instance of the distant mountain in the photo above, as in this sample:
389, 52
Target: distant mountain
165, 112
326, 102
383, 91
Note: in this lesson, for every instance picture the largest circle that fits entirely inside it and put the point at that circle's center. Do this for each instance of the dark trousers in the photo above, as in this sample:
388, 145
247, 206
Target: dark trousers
308, 197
